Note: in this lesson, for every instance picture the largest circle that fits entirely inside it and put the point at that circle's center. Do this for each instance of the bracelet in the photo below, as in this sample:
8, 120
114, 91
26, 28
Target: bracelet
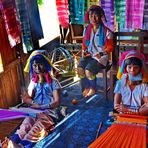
32, 102
131, 111
45, 106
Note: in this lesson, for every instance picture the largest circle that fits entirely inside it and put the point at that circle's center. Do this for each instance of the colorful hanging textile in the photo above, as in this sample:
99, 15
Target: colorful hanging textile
63, 12
30, 23
108, 6
34, 20
25, 26
76, 8
134, 13
12, 25
119, 9
90, 3
145, 19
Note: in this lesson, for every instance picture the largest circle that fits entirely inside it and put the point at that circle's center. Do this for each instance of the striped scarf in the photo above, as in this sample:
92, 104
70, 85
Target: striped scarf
12, 25
134, 14
108, 6
91, 2
30, 23
145, 19
87, 34
63, 13
76, 8
119, 6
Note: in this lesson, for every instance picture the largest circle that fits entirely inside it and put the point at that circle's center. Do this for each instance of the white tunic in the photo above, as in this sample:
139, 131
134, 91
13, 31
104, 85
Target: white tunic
95, 48
133, 98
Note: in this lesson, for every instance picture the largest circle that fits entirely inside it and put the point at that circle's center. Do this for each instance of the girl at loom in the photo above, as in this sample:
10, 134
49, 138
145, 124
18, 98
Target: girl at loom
95, 45
131, 93
43, 93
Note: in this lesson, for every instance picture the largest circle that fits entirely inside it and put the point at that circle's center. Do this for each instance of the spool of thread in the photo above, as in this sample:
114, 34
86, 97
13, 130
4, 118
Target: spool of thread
74, 101
65, 93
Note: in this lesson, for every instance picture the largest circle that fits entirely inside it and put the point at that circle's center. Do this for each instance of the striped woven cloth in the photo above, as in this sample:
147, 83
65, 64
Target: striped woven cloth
108, 6
91, 2
76, 8
25, 26
12, 25
145, 19
31, 28
134, 13
63, 12
119, 9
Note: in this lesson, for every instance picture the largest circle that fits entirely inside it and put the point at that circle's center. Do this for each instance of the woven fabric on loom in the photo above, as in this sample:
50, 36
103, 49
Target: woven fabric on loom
76, 8
63, 12
132, 120
119, 9
122, 136
9, 114
108, 6
11, 23
145, 18
134, 14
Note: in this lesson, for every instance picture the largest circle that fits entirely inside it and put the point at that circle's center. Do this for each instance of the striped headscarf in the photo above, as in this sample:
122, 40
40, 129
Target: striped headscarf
38, 54
127, 55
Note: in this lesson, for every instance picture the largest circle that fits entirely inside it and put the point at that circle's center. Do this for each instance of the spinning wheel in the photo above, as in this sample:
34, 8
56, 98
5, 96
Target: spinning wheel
62, 61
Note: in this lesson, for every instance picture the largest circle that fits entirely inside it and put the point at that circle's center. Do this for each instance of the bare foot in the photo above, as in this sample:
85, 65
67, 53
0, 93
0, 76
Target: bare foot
91, 92
7, 143
85, 92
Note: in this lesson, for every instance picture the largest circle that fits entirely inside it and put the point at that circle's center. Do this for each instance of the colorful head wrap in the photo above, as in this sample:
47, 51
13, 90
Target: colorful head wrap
37, 54
128, 55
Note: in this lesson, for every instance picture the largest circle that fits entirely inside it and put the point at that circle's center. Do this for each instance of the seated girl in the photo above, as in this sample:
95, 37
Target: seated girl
131, 94
43, 94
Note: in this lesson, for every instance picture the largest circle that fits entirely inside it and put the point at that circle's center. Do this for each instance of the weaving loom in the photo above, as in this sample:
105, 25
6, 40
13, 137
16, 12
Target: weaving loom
15, 113
6, 114
124, 133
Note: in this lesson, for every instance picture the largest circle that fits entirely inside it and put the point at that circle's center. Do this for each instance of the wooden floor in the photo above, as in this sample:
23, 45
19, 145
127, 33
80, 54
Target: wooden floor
7, 127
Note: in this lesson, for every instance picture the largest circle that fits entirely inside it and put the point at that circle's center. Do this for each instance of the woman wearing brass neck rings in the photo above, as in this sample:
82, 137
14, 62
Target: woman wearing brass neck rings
96, 39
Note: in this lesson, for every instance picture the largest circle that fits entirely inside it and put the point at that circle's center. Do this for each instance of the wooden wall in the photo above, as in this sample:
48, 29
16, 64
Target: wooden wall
11, 78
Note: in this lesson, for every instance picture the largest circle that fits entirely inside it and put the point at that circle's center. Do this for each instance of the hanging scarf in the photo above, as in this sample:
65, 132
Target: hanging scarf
30, 23
12, 25
63, 13
91, 2
145, 19
134, 14
101, 33
119, 8
108, 7
76, 8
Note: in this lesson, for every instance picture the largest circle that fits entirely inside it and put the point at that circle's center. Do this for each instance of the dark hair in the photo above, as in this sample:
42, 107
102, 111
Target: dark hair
38, 60
98, 10
134, 61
